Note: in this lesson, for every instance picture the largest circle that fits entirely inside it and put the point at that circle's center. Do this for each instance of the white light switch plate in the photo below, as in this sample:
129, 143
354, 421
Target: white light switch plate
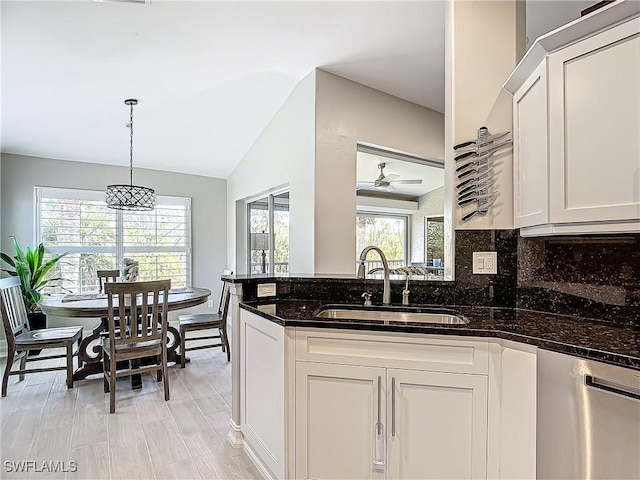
266, 290
485, 263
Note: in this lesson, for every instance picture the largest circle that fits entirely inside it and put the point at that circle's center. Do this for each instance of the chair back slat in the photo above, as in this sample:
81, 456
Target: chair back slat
226, 288
14, 313
224, 300
106, 276
142, 310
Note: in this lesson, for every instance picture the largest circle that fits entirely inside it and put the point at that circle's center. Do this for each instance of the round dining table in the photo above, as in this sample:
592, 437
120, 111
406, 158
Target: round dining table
89, 305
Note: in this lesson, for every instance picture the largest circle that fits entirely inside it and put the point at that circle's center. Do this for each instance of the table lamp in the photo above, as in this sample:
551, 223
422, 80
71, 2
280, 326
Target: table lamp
260, 241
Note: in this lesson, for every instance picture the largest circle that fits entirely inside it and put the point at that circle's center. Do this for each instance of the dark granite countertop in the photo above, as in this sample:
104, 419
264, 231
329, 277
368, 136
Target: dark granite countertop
594, 340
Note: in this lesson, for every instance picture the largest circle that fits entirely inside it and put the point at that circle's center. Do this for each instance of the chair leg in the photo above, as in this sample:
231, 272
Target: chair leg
159, 371
165, 374
225, 340
183, 354
70, 365
105, 377
7, 369
23, 366
112, 384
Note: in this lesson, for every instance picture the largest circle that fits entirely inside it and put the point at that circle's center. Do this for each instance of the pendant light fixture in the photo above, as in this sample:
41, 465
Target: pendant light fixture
130, 197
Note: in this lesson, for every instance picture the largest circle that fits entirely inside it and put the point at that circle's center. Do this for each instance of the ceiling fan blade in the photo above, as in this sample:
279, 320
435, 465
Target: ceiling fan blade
390, 188
409, 182
390, 177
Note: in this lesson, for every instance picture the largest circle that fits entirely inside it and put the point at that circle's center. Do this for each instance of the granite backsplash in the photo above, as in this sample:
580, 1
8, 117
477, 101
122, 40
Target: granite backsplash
596, 276
593, 276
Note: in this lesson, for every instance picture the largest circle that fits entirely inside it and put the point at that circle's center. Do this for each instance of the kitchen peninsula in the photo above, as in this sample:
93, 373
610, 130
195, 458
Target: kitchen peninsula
479, 379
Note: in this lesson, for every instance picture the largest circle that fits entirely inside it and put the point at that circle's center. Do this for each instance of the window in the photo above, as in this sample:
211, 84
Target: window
434, 241
387, 232
268, 224
99, 238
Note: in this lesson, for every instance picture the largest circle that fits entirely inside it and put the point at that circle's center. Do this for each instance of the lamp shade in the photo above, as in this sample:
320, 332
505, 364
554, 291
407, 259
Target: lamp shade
130, 197
260, 241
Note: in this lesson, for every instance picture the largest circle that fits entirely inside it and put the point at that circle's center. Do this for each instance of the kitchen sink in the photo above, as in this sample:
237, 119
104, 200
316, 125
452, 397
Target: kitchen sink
389, 314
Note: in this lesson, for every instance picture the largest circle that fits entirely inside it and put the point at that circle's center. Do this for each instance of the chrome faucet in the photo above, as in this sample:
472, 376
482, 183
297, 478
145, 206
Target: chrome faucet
386, 294
406, 292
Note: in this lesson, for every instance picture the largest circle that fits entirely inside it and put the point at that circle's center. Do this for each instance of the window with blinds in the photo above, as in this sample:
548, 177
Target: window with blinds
99, 238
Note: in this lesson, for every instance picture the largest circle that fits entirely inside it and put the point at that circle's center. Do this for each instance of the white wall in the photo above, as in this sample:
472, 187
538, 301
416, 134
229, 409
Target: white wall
348, 112
283, 154
429, 205
484, 41
544, 16
208, 217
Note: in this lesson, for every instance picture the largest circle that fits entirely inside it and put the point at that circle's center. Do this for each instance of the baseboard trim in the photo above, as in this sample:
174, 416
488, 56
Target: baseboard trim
235, 437
256, 461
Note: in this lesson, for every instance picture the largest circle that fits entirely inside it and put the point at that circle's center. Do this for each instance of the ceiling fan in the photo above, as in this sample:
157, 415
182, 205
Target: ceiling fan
385, 182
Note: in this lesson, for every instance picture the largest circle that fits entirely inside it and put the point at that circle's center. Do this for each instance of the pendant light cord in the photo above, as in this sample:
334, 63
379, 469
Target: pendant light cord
131, 146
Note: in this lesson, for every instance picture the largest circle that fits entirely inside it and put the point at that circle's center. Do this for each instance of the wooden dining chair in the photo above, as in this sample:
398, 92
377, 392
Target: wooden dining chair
107, 276
20, 339
141, 309
207, 321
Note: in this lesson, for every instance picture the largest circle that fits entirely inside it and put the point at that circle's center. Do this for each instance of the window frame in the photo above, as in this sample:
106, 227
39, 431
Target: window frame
40, 192
407, 233
271, 206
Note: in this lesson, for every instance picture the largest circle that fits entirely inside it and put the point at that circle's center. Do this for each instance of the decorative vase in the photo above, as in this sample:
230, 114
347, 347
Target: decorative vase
37, 321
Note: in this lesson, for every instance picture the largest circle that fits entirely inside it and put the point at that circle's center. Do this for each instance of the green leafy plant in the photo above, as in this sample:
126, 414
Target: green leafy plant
30, 267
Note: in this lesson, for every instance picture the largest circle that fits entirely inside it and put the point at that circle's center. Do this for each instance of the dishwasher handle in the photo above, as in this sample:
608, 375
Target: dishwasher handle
610, 387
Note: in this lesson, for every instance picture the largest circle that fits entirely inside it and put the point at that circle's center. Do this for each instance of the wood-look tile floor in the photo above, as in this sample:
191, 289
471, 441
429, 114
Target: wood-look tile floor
147, 438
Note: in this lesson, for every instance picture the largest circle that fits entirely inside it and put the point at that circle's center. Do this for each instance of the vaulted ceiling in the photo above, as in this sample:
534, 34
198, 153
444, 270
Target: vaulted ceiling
208, 75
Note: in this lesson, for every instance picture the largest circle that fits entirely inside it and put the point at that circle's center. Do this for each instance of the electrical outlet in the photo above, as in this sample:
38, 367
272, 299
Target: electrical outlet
485, 263
210, 303
269, 308
266, 290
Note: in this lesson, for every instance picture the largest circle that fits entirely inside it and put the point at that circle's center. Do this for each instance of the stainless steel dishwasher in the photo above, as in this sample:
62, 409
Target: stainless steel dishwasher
588, 419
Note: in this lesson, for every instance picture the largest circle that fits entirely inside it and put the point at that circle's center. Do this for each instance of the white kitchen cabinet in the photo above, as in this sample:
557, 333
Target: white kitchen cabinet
263, 399
376, 423
530, 151
336, 420
576, 115
437, 425
330, 404
594, 123
384, 421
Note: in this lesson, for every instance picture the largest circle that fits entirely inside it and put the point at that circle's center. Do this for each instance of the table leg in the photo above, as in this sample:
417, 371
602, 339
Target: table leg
90, 353
173, 342
136, 379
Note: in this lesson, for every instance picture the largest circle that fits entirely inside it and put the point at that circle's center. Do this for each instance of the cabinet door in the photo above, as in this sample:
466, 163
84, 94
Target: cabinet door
337, 409
437, 425
594, 120
530, 150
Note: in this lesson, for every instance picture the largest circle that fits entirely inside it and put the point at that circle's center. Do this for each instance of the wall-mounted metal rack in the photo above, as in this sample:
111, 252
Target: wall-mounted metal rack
474, 171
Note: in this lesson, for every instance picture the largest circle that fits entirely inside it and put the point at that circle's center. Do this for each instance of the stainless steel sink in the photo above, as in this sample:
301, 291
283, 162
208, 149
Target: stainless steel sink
388, 314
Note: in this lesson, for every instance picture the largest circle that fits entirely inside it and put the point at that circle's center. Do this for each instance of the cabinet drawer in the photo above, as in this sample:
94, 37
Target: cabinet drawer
424, 352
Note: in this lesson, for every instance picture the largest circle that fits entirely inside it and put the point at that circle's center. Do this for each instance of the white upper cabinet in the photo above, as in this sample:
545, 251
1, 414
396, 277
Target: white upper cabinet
594, 127
576, 114
531, 157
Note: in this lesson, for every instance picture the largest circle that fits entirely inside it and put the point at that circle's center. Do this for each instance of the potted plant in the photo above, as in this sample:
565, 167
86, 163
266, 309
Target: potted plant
32, 270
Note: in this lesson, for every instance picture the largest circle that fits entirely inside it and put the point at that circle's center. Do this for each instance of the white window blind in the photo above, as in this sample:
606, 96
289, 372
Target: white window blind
99, 238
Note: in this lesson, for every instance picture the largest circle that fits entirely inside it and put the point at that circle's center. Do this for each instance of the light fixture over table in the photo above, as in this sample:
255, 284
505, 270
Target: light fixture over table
130, 197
